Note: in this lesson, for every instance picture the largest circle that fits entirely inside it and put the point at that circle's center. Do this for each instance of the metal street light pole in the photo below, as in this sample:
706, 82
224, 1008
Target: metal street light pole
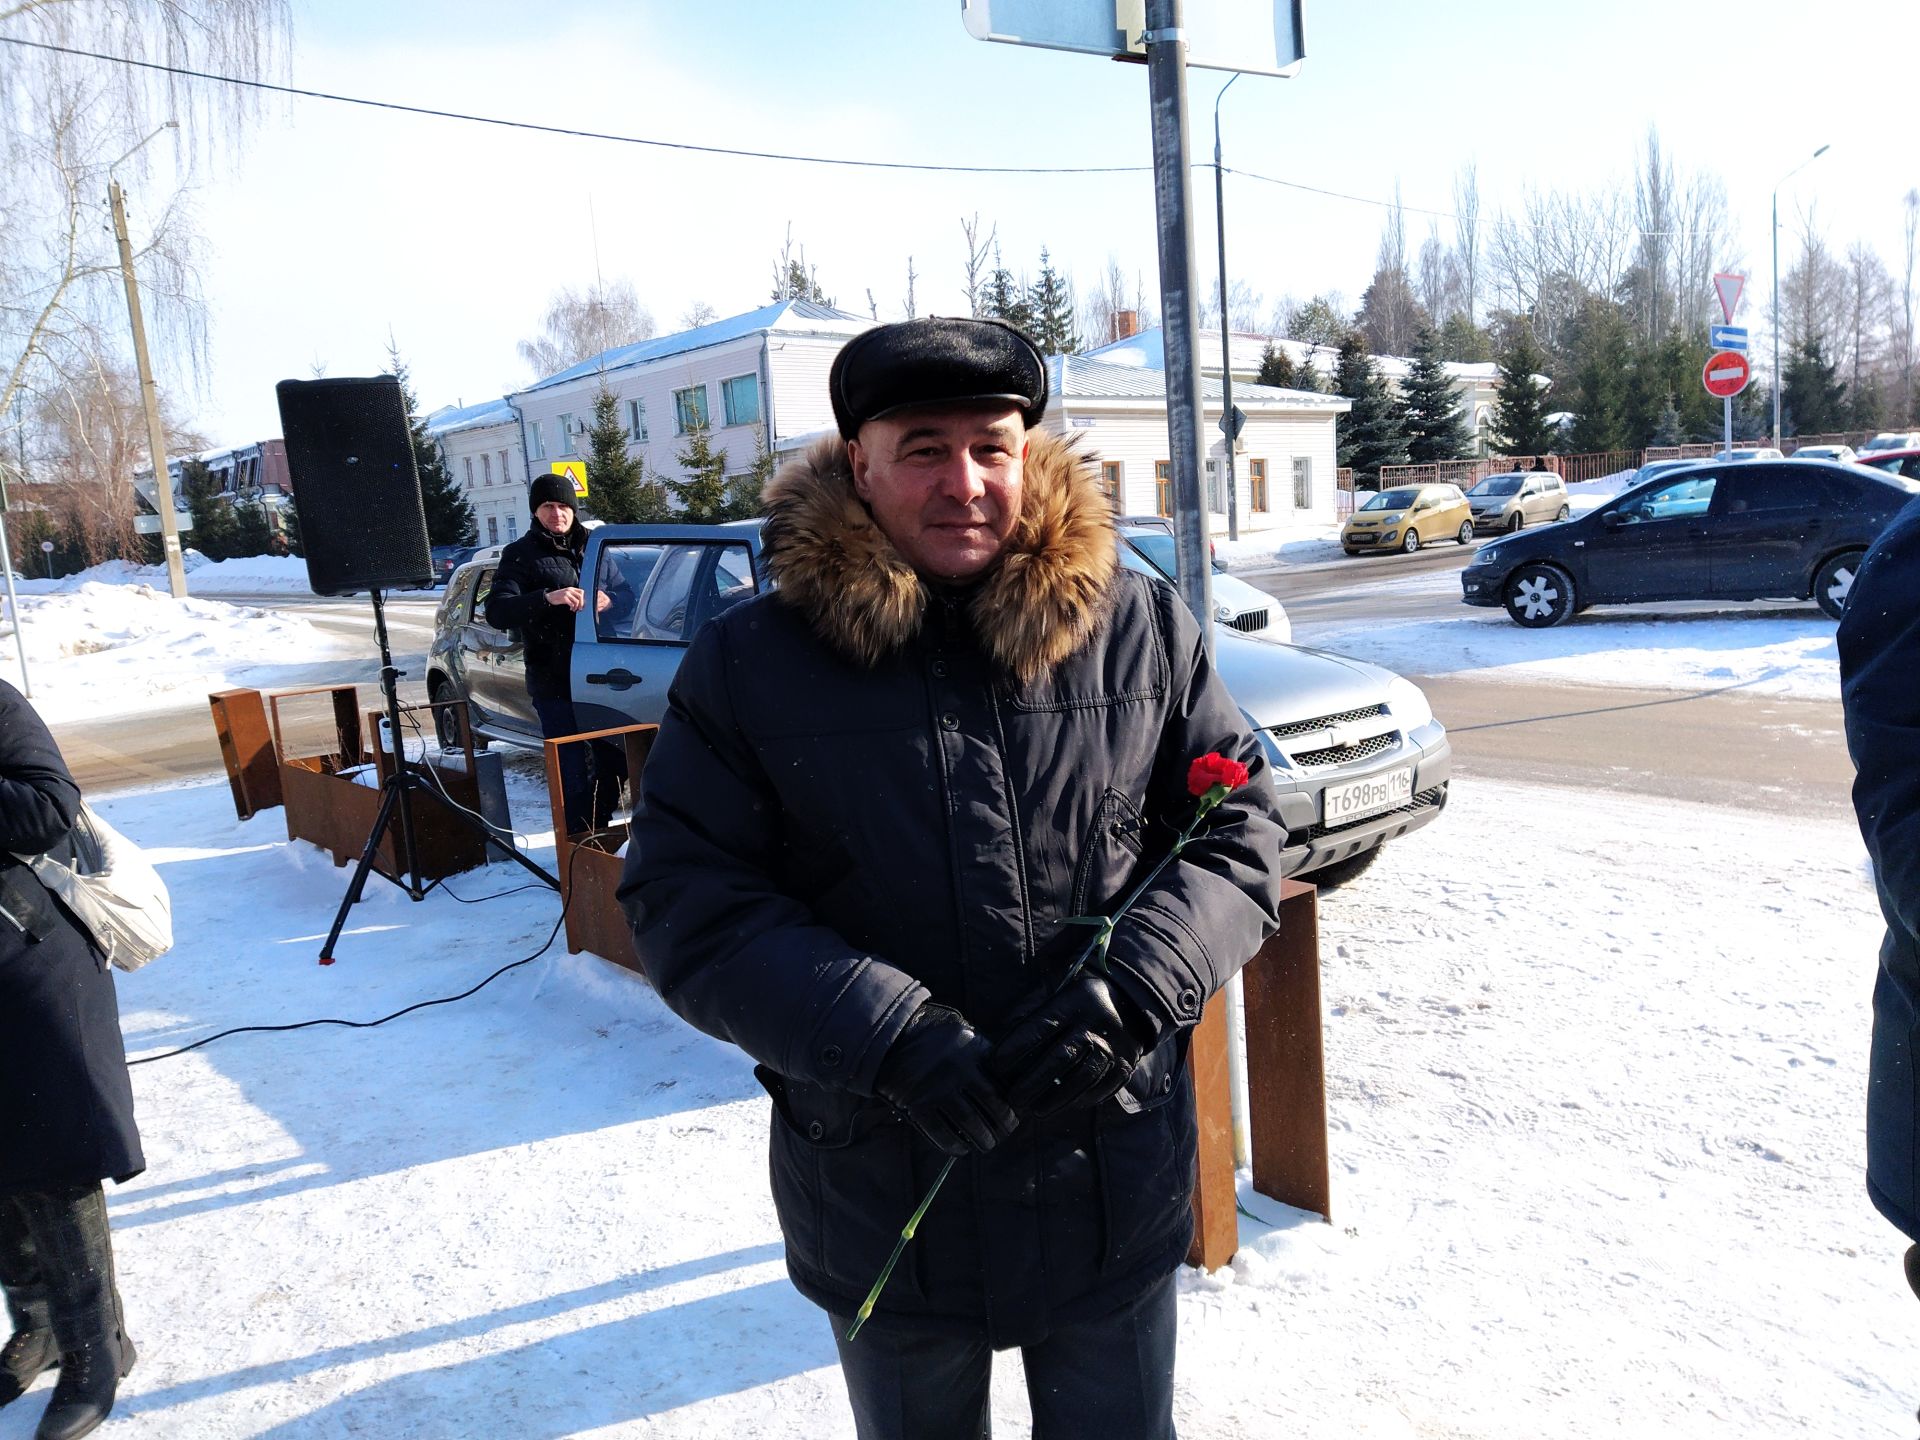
1776, 283
149, 398
1226, 344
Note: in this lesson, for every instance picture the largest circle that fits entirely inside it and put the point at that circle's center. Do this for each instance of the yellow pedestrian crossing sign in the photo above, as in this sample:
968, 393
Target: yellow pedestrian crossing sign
576, 471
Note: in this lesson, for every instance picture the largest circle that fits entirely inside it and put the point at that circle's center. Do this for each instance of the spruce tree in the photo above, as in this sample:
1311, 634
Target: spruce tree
1305, 377
1003, 299
1050, 303
653, 503
1520, 406
1436, 430
252, 534
449, 517
703, 494
613, 476
1370, 434
215, 528
1276, 369
743, 491
1602, 341
1813, 397
1668, 429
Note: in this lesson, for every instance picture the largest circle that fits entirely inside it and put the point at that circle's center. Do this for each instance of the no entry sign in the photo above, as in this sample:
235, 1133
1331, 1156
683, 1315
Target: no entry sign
1726, 376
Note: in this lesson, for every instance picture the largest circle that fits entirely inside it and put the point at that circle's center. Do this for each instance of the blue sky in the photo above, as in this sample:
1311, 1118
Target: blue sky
338, 224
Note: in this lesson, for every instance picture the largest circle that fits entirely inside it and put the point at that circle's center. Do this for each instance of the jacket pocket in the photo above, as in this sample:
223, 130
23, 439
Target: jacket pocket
1109, 855
1146, 1178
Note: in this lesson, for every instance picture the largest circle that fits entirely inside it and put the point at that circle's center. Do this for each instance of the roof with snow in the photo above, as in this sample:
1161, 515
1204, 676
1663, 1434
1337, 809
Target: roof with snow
786, 317
1148, 350
1080, 377
450, 418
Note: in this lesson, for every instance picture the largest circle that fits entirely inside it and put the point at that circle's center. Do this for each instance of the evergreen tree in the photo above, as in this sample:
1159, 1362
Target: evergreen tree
1813, 397
252, 534
653, 503
1305, 377
1602, 339
744, 491
1370, 434
613, 476
703, 494
1318, 322
1050, 303
1276, 369
1436, 430
290, 523
215, 528
1464, 342
1003, 299
1520, 405
449, 517
1668, 429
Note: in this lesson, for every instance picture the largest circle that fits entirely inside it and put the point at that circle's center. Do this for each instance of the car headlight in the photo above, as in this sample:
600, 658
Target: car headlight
1409, 704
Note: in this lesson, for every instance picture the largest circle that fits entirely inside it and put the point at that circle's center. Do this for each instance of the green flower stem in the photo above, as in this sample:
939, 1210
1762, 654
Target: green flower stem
1094, 947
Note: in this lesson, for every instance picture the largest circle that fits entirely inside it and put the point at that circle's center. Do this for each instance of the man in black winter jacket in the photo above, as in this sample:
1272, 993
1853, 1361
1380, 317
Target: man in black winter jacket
536, 591
881, 793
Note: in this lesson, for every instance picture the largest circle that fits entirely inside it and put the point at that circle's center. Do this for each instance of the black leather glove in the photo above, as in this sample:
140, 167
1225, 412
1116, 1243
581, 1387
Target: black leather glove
1075, 1051
936, 1072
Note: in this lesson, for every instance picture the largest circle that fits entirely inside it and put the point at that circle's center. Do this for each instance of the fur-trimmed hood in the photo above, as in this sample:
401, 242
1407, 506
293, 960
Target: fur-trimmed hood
1041, 601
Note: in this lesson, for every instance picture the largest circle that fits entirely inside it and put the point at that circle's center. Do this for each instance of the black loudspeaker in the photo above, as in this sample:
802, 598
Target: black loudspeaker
350, 455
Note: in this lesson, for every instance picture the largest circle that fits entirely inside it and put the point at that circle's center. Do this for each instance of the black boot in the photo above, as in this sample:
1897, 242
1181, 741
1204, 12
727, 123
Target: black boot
31, 1350
75, 1251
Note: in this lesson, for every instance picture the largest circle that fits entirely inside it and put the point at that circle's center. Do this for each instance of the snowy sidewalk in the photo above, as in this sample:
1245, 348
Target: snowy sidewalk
1596, 1064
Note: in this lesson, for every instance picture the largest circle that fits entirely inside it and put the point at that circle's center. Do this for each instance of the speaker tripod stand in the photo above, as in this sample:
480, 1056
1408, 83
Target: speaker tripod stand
396, 799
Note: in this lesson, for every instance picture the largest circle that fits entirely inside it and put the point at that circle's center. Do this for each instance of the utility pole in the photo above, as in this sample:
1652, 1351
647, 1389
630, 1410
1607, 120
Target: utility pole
13, 600
1227, 430
1776, 282
149, 398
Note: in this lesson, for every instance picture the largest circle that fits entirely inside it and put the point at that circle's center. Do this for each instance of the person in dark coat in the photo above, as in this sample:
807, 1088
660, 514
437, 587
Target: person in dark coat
1879, 642
66, 1105
536, 591
880, 792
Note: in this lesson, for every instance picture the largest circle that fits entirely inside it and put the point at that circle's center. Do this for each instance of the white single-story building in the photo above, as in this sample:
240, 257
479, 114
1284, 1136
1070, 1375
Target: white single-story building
755, 381
481, 447
1477, 384
1283, 461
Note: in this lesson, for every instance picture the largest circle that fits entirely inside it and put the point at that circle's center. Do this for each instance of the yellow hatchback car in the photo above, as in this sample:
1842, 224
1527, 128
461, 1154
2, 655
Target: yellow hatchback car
1407, 517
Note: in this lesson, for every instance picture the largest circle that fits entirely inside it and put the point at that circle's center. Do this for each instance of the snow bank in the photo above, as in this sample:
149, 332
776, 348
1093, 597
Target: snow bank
1758, 648
108, 648
250, 575
1298, 546
1595, 1067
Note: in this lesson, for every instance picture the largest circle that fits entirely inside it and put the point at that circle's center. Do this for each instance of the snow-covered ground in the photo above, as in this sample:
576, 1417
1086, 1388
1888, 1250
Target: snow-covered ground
1764, 648
1596, 1070
101, 649
1255, 552
253, 575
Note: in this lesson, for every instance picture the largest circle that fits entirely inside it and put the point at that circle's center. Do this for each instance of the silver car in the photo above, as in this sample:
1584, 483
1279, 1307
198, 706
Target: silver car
1510, 502
1358, 758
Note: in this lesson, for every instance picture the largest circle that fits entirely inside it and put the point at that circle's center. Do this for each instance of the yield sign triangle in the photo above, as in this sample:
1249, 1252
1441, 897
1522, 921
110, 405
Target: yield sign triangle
1728, 287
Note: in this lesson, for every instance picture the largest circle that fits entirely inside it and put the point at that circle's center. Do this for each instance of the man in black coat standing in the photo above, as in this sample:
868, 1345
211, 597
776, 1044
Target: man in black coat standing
882, 794
66, 1107
1879, 641
536, 591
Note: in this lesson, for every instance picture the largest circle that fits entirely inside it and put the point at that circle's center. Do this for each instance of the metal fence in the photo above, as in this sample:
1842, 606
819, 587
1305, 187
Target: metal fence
1343, 492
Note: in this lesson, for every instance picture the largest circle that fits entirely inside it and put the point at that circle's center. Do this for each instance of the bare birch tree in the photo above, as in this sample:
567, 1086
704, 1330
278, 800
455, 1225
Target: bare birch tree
580, 324
979, 250
1466, 235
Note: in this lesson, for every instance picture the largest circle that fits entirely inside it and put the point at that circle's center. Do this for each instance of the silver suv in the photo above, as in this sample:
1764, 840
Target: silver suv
1358, 758
1518, 499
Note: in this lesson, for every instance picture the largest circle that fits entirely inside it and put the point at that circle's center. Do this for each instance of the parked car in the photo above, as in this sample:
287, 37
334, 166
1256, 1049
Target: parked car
1518, 499
1741, 530
1358, 757
1894, 462
1164, 524
1407, 517
448, 558
1842, 453
1751, 452
1892, 440
1235, 602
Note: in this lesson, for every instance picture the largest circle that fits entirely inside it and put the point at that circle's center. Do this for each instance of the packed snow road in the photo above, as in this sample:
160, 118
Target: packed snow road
1596, 1066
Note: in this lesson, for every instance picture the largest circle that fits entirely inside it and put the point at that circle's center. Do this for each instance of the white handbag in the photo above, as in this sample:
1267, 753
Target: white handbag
112, 889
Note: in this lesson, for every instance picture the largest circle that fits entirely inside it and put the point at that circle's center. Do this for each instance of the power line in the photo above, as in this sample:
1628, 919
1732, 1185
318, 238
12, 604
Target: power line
583, 134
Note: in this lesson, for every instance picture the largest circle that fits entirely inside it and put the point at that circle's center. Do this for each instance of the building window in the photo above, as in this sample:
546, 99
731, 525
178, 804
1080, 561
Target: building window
566, 434
493, 529
1110, 482
1303, 482
503, 467
740, 399
467, 461
689, 409
1163, 486
486, 469
1257, 483
1217, 486
637, 421
536, 443
513, 527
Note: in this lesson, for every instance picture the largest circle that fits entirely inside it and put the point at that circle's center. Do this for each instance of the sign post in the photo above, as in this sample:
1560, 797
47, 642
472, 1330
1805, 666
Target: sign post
1727, 372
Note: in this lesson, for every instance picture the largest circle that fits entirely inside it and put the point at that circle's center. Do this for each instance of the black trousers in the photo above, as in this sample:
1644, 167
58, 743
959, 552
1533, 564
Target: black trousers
1106, 1379
590, 774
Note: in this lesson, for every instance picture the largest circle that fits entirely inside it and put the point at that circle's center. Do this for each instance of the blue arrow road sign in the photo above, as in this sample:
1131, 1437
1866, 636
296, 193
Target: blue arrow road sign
1727, 337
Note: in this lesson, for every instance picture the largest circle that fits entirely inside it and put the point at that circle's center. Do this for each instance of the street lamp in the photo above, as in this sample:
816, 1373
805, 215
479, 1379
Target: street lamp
1226, 342
1776, 284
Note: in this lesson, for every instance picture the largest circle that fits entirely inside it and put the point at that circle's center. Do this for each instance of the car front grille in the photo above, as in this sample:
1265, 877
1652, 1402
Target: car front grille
1345, 754
1307, 727
1252, 620
1425, 800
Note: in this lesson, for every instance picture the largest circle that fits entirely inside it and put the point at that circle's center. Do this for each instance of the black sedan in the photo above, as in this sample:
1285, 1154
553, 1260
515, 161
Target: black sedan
1750, 530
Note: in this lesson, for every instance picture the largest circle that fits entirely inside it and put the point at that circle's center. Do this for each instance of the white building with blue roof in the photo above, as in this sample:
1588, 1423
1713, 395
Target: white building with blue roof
755, 381
481, 447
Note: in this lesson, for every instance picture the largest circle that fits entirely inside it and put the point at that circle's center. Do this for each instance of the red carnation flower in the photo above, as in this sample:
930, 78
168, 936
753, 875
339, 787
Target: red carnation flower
1215, 769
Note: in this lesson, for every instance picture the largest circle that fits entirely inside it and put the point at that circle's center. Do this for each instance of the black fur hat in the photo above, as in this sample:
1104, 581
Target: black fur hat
935, 361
